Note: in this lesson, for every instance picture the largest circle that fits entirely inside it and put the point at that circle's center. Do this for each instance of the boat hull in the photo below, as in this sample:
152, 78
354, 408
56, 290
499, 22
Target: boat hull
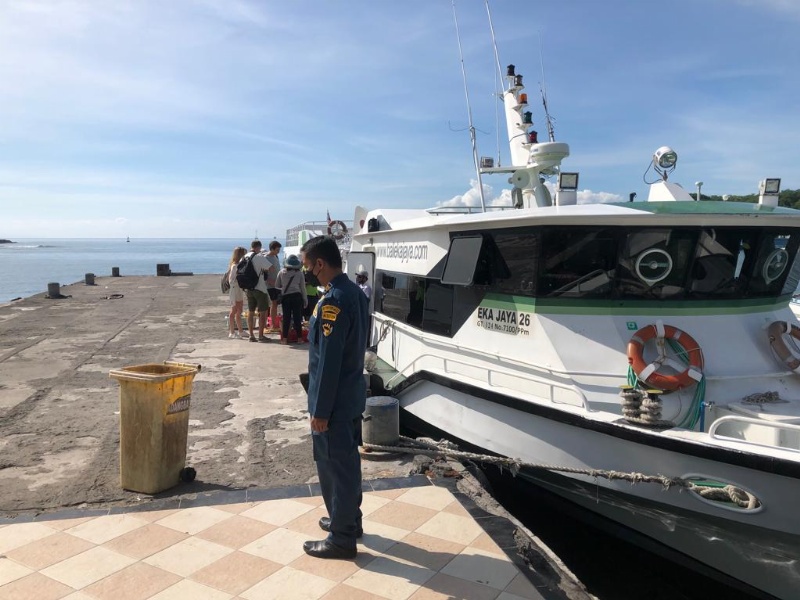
759, 548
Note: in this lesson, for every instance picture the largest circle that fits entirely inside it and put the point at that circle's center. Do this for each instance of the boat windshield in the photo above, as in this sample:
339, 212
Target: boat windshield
692, 263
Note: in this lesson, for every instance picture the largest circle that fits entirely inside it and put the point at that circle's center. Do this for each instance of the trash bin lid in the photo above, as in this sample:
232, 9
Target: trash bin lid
154, 371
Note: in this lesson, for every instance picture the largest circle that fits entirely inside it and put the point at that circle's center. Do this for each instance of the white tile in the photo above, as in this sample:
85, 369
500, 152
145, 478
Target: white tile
194, 520
188, 556
15, 536
380, 537
87, 567
428, 496
277, 512
481, 567
11, 571
281, 546
391, 578
453, 528
190, 590
370, 503
289, 584
102, 529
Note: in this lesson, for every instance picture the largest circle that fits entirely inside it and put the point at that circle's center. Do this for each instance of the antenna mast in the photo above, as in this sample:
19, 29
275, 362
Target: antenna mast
469, 112
498, 76
551, 134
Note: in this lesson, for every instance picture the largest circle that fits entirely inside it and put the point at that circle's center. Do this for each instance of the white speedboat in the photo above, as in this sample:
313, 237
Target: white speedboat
536, 332
299, 234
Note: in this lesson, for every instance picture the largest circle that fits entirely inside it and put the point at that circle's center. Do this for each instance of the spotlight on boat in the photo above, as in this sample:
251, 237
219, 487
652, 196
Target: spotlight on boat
665, 158
771, 186
567, 190
664, 161
769, 191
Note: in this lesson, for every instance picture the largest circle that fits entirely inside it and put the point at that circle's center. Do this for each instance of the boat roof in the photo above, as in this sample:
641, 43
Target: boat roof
702, 213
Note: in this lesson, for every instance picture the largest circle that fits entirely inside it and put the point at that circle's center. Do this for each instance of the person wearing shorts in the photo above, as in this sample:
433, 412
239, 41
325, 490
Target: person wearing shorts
258, 298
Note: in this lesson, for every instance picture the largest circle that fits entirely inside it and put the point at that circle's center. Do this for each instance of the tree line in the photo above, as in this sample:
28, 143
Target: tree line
787, 198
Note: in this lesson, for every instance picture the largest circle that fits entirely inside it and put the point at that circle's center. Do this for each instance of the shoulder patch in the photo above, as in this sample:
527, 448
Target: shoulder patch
327, 329
330, 312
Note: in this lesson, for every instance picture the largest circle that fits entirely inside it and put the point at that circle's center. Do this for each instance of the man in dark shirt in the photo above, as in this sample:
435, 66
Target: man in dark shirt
336, 396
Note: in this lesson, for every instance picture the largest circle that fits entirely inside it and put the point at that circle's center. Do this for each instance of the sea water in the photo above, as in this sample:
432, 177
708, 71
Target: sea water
28, 265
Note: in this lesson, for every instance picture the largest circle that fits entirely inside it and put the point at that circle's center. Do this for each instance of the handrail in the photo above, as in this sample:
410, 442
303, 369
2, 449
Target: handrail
712, 431
551, 384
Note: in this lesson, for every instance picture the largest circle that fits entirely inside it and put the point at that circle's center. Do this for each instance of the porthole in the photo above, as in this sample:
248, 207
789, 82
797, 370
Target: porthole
653, 265
775, 265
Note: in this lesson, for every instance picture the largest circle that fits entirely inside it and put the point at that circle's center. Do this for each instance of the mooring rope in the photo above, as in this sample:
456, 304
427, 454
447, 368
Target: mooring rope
445, 449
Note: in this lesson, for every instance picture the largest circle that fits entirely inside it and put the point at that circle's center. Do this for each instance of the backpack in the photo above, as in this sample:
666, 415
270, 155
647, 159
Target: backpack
225, 284
246, 275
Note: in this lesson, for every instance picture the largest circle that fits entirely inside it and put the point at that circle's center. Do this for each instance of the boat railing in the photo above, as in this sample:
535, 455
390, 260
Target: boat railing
735, 419
490, 375
458, 210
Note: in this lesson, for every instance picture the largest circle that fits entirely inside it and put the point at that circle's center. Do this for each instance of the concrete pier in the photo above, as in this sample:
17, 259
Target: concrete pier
66, 526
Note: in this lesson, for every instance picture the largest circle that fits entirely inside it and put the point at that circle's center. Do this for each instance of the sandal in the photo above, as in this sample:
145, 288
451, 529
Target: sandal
253, 338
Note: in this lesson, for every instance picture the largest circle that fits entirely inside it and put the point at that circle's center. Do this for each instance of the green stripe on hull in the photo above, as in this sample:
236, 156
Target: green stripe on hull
706, 207
572, 306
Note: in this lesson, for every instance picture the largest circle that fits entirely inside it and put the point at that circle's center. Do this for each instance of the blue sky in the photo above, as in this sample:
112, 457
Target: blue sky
201, 118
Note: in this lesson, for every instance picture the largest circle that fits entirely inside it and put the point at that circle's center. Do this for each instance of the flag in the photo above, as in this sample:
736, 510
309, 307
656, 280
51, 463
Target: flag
329, 217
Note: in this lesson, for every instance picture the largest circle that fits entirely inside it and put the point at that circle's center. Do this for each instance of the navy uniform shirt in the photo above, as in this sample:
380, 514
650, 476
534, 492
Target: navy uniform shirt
338, 338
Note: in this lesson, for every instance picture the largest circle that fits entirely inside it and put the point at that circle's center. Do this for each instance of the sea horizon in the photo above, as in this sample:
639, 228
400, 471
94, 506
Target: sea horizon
28, 265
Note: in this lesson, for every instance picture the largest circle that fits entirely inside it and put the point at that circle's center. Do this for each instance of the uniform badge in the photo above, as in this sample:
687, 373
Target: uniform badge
327, 329
316, 310
330, 312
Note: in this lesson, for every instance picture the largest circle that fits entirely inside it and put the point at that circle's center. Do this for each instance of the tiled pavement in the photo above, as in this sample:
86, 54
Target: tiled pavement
419, 543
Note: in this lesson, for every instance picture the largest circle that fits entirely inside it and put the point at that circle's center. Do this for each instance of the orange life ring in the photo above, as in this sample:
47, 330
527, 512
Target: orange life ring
776, 331
686, 376
337, 229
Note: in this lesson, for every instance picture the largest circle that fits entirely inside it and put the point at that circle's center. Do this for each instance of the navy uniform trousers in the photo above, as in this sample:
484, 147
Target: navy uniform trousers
339, 471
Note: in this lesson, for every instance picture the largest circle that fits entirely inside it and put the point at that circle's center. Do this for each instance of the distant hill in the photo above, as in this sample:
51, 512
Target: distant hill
787, 198
7, 242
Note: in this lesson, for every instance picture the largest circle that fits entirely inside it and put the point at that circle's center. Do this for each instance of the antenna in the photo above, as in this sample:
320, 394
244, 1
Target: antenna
498, 76
551, 134
469, 112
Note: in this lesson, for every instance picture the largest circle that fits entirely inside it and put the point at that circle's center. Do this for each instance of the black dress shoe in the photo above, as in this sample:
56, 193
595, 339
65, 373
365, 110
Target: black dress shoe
325, 549
325, 525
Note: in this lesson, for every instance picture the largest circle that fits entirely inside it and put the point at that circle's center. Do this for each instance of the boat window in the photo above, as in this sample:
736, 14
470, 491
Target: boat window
577, 262
462, 260
653, 263
692, 263
520, 252
474, 259
424, 303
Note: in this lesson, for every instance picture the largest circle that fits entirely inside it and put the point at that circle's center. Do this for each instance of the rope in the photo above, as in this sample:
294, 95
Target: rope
445, 449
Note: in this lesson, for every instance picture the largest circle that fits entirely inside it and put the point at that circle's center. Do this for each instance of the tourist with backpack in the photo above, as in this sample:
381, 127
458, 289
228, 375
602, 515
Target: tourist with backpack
250, 275
236, 294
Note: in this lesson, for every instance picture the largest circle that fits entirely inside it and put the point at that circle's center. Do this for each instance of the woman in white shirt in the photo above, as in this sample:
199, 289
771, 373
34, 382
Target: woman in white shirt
236, 295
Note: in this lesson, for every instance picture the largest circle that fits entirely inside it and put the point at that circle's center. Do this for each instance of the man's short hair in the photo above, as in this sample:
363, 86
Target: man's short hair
274, 245
324, 247
255, 244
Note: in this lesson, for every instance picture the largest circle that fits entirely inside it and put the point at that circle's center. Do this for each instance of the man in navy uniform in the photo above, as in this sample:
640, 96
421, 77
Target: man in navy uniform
336, 396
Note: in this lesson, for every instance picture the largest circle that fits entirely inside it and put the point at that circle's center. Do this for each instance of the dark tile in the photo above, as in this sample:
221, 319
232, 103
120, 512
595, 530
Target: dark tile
294, 491
74, 513
212, 498
166, 504
27, 518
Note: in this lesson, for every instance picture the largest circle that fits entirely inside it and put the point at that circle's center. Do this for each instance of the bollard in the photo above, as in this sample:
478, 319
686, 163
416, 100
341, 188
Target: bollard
53, 290
162, 270
115, 271
89, 278
381, 425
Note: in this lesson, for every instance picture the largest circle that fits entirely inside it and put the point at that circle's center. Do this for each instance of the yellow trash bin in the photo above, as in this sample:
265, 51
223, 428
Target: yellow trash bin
154, 402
